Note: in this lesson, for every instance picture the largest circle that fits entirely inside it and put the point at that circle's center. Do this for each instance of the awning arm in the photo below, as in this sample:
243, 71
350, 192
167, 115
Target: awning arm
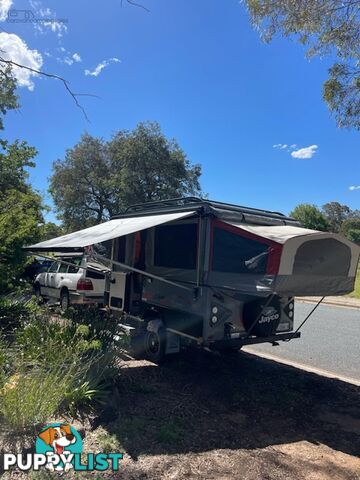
142, 272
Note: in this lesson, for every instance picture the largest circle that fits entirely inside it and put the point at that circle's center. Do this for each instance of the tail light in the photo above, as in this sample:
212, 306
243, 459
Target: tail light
84, 284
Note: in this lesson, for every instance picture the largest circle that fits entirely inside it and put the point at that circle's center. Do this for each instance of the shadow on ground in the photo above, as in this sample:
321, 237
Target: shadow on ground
199, 402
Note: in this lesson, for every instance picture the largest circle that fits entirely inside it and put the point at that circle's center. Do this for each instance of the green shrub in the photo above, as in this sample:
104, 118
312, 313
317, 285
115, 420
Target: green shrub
81, 399
29, 399
102, 325
13, 314
55, 365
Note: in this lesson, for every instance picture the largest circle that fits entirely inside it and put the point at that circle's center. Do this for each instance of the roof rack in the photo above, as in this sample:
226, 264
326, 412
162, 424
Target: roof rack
172, 202
196, 201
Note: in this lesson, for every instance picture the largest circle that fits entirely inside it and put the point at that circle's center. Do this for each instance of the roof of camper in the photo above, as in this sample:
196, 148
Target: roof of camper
224, 211
143, 216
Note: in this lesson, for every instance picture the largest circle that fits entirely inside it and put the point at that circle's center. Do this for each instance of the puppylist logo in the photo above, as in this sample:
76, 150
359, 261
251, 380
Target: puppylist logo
59, 448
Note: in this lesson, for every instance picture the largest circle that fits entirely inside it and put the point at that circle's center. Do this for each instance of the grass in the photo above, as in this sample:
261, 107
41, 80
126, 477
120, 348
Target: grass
107, 443
356, 292
31, 398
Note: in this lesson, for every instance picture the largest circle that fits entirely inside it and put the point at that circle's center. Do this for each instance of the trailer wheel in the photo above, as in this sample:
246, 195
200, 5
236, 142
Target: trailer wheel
155, 345
137, 349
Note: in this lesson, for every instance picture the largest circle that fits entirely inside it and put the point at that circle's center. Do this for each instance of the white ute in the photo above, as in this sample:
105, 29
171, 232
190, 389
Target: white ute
71, 284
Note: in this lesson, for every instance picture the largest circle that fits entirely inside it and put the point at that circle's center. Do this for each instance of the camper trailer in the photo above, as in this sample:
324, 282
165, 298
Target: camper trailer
217, 275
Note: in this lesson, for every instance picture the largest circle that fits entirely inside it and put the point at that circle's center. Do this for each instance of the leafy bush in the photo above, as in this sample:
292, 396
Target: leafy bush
31, 398
55, 365
81, 399
13, 314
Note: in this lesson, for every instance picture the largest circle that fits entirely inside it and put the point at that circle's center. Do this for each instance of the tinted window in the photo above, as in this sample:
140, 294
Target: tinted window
53, 268
76, 261
236, 254
175, 246
63, 268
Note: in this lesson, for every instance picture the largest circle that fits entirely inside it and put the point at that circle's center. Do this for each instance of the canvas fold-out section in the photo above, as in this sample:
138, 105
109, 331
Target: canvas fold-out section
286, 260
104, 231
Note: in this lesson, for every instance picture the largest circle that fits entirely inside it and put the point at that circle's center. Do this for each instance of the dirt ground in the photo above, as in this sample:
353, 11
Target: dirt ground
238, 417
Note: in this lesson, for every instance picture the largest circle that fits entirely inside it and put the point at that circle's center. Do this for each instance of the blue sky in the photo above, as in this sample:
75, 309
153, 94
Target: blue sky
202, 72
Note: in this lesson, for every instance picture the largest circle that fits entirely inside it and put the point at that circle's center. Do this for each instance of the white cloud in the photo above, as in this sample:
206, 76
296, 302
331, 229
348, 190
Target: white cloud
98, 69
76, 57
354, 187
284, 146
5, 6
67, 60
54, 26
47, 21
45, 12
70, 58
15, 49
306, 152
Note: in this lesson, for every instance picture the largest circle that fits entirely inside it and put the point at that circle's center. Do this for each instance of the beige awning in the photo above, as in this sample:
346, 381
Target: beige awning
105, 231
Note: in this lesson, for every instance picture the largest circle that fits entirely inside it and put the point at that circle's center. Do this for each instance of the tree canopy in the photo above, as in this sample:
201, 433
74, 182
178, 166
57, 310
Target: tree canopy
332, 217
98, 178
351, 229
336, 214
310, 216
326, 27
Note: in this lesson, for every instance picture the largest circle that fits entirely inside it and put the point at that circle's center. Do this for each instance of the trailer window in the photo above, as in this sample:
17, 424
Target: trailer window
322, 257
233, 253
175, 246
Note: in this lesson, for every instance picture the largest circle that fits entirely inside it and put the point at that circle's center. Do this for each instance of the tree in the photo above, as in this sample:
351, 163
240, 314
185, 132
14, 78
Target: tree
81, 184
327, 27
20, 220
336, 214
310, 216
351, 229
50, 230
20, 207
98, 179
8, 98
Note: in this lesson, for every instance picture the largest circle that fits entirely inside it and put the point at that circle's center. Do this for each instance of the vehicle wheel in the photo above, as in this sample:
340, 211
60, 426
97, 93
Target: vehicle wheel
137, 349
37, 291
64, 300
155, 345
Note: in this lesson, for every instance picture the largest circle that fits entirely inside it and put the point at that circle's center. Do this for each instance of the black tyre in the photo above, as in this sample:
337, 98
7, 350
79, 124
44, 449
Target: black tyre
137, 346
155, 345
64, 300
149, 345
37, 291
